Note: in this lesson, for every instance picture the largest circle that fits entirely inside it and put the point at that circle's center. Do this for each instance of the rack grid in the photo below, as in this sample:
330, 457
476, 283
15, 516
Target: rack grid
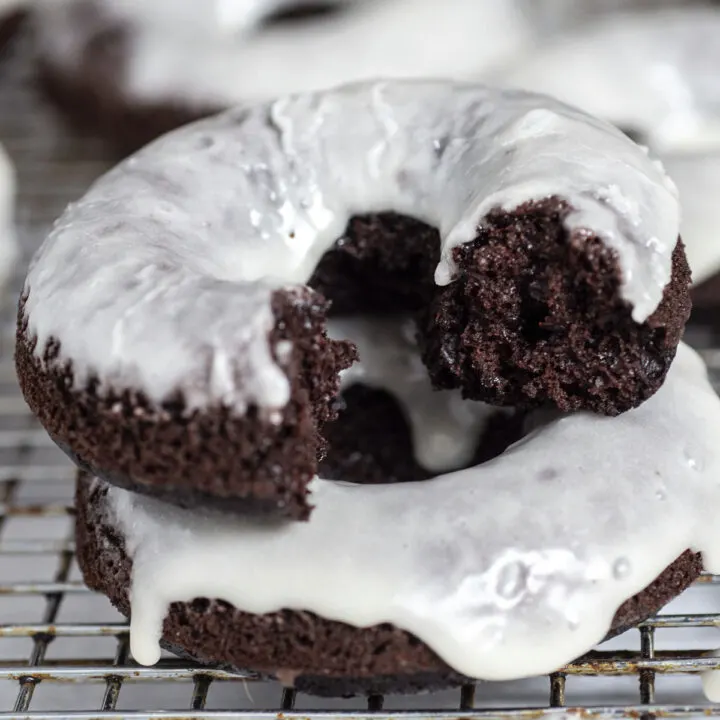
64, 651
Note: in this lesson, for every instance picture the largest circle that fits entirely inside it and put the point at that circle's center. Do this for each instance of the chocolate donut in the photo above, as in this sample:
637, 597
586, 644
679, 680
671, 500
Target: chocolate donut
421, 585
167, 341
133, 70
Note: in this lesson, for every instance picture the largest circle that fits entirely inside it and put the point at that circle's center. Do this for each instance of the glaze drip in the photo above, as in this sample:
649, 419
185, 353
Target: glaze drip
481, 581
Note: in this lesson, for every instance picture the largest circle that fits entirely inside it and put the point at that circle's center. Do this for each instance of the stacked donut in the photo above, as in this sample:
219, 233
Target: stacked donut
373, 388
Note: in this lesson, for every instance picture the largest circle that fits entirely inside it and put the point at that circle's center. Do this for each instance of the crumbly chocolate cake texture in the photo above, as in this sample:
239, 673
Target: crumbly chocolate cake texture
536, 316
244, 463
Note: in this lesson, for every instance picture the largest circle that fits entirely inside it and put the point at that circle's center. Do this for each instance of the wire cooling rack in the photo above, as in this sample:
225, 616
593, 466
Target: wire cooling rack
64, 650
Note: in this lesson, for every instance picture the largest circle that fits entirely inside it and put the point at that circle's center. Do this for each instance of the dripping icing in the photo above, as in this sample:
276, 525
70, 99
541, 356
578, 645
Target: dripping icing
481, 581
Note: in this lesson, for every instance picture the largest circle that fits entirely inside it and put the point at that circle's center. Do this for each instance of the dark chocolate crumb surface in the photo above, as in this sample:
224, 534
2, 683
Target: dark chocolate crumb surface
535, 316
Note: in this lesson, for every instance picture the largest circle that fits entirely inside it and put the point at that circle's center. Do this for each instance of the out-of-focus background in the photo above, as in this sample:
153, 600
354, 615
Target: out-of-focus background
83, 82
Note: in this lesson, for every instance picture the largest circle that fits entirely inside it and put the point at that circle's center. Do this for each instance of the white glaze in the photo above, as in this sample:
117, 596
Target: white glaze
183, 51
8, 240
160, 277
445, 428
478, 581
655, 72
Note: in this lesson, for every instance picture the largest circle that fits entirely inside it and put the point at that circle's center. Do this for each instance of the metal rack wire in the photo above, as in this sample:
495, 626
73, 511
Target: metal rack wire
64, 652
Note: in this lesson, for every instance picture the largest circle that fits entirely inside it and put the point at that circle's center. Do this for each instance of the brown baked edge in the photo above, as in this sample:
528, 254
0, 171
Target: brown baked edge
536, 315
248, 463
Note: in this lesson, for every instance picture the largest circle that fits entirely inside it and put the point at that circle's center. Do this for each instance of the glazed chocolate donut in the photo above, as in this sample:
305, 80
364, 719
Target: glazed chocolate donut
167, 340
654, 74
133, 69
420, 585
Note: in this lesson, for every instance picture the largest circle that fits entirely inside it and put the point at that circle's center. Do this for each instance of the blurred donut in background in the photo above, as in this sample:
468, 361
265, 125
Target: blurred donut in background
134, 69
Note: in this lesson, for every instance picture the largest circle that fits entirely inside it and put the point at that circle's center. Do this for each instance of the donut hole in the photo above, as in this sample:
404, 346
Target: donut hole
383, 266
303, 13
534, 317
371, 440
